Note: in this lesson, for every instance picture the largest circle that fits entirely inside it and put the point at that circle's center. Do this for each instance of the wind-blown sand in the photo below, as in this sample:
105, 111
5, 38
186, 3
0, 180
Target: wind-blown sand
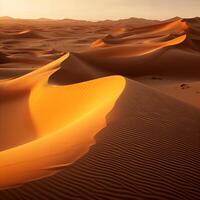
99, 110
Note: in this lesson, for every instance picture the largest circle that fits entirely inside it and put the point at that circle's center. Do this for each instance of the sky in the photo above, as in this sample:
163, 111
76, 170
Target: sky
99, 9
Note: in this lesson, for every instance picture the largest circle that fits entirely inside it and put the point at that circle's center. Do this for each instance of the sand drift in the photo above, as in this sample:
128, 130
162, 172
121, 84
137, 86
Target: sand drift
115, 118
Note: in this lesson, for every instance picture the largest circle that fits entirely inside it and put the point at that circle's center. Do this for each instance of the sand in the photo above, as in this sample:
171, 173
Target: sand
99, 110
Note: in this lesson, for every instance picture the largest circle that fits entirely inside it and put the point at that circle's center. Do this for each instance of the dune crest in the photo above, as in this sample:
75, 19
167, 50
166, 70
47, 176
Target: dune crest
45, 127
137, 49
153, 33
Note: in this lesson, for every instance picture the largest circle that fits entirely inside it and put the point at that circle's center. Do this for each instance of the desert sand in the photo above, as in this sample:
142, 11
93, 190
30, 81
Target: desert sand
99, 110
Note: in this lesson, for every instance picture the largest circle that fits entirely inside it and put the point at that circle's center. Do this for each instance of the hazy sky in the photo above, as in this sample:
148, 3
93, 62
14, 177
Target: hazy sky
99, 9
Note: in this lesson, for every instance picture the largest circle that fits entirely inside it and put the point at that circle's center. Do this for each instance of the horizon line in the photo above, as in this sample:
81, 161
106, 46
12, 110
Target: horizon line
90, 20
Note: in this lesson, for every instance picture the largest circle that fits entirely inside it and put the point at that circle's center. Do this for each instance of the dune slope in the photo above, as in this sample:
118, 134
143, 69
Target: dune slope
149, 149
42, 121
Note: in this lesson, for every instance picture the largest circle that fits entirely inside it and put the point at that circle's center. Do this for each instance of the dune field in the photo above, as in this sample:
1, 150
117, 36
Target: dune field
99, 110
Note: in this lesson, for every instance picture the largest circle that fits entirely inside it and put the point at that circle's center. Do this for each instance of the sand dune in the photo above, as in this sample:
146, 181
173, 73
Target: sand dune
29, 123
137, 49
22, 34
145, 151
177, 27
115, 118
28, 34
174, 55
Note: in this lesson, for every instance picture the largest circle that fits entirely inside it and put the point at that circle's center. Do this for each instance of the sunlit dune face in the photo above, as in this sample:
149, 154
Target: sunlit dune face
176, 26
138, 49
98, 43
23, 32
55, 125
15, 105
141, 41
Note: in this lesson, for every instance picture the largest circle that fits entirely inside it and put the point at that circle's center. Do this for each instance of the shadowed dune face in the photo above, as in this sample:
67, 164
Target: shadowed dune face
135, 85
3, 58
43, 121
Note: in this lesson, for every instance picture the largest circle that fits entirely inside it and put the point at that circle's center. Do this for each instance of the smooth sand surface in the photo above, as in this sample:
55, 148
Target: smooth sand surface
99, 110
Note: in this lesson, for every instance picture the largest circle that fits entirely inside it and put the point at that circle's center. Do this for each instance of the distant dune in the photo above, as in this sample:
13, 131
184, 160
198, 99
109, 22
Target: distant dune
99, 110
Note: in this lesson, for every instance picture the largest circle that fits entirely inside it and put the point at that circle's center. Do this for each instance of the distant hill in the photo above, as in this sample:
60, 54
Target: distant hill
6, 18
73, 22
76, 20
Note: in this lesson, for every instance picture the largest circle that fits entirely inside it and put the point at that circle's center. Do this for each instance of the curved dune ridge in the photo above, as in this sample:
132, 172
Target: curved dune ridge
31, 34
137, 49
40, 123
28, 34
177, 27
168, 49
133, 92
